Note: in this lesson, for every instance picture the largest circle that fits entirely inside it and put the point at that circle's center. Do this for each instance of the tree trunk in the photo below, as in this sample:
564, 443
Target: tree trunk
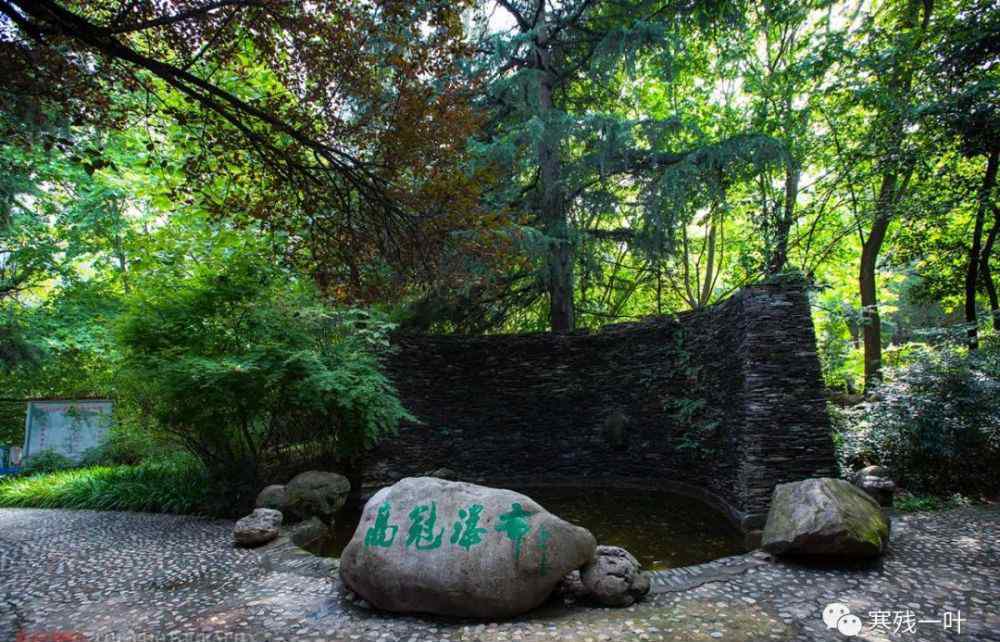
779, 254
890, 191
552, 201
871, 321
976, 250
987, 275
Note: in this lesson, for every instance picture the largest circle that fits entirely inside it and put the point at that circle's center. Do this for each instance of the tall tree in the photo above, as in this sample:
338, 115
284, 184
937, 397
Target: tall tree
785, 67
968, 104
879, 87
568, 145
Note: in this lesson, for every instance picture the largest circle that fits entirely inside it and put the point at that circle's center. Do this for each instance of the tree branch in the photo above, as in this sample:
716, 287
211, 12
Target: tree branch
522, 22
163, 21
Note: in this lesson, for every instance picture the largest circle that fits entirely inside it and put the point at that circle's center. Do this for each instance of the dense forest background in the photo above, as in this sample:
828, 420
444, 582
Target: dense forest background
186, 179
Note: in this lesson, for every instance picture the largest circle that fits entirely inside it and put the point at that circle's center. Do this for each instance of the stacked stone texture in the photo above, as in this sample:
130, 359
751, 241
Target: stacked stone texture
535, 406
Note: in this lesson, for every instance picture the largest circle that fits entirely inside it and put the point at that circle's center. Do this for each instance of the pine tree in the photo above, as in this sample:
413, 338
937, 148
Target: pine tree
570, 151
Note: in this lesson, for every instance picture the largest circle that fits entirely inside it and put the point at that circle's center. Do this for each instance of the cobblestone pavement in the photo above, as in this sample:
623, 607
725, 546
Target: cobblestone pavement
81, 575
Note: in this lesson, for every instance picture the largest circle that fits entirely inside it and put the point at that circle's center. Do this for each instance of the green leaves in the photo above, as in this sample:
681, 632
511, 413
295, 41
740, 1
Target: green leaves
242, 363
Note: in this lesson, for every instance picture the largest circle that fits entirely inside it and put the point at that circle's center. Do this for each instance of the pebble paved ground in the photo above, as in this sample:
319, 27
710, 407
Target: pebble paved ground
80, 575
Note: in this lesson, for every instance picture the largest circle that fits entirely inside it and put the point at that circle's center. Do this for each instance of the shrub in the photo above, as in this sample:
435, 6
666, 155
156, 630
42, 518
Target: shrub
920, 503
127, 444
47, 461
246, 369
935, 422
175, 485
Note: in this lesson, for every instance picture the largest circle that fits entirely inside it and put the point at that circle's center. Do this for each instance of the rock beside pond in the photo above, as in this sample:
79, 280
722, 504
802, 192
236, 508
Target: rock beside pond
313, 535
257, 528
274, 497
614, 577
426, 545
873, 471
875, 481
824, 517
571, 587
317, 494
880, 488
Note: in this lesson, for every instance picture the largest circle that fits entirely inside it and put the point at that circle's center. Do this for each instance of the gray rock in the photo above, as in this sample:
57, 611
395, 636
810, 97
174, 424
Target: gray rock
824, 517
614, 577
317, 494
875, 481
257, 528
881, 489
571, 587
642, 585
313, 535
426, 545
274, 497
873, 471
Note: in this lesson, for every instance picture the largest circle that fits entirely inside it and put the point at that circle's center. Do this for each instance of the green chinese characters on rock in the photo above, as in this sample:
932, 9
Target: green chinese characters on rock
466, 531
421, 534
381, 533
515, 525
542, 539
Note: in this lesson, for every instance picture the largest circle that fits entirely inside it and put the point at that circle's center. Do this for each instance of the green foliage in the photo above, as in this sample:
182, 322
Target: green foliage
934, 423
692, 413
47, 461
126, 444
245, 367
177, 485
921, 503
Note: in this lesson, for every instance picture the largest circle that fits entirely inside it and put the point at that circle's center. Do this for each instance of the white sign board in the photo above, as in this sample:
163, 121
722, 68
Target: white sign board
70, 428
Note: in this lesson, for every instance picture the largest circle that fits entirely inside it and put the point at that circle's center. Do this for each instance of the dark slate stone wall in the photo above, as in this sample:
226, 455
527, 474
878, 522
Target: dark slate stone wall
727, 399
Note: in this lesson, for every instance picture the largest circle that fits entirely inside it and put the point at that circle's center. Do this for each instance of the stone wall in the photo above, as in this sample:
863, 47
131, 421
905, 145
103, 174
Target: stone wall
727, 399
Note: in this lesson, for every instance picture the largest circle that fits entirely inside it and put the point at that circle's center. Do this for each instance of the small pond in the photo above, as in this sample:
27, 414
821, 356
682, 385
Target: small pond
663, 530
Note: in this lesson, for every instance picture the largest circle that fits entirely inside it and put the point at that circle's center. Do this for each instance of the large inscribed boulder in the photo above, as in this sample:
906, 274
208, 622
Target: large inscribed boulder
425, 545
826, 517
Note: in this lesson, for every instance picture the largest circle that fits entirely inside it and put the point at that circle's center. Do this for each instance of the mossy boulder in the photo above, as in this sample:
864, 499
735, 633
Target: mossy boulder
274, 497
317, 493
824, 517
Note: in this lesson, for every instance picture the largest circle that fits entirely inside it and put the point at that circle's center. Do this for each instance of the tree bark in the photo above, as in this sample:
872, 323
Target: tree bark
976, 250
871, 321
987, 275
552, 201
890, 191
779, 254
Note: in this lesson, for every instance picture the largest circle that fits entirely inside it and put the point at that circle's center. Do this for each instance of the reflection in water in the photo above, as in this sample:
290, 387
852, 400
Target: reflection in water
663, 530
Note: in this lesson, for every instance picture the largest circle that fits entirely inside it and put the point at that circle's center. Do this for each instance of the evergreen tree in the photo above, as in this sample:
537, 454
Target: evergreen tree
570, 150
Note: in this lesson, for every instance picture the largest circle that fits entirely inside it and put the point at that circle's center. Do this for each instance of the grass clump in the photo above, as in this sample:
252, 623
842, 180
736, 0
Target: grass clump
922, 503
177, 485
